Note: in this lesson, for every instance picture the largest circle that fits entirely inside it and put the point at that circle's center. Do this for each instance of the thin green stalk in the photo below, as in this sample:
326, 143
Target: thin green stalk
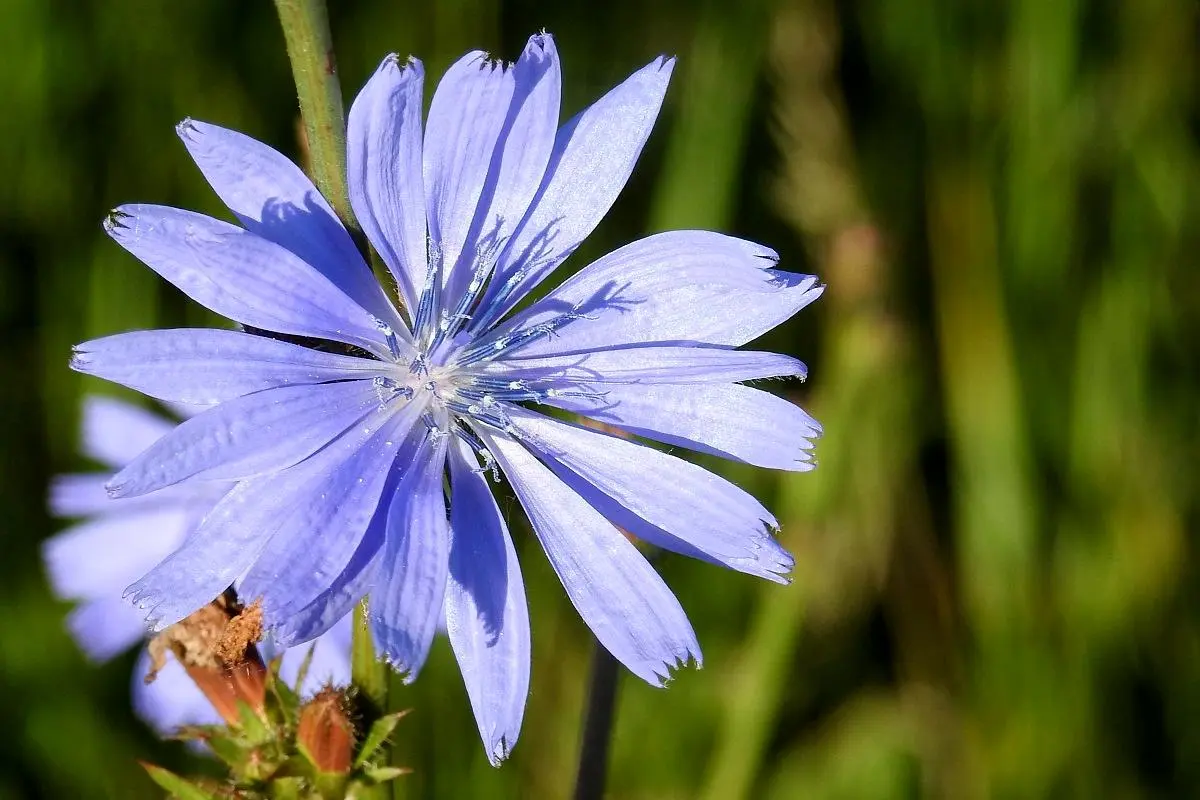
310, 49
369, 674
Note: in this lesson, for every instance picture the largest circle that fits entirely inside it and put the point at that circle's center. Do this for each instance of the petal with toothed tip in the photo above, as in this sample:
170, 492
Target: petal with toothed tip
241, 276
486, 160
688, 502
727, 420
383, 170
618, 594
486, 614
593, 156
274, 199
208, 365
679, 287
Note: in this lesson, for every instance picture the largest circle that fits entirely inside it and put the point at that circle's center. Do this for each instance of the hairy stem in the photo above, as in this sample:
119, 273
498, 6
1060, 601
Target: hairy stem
310, 49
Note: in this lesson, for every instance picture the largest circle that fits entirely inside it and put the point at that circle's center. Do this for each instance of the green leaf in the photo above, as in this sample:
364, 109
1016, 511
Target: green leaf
381, 729
178, 787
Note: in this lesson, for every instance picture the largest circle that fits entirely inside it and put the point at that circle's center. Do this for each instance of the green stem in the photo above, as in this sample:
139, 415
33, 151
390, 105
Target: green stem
310, 49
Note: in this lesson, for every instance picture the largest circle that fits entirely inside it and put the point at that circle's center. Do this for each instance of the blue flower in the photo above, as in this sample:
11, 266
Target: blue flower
119, 540
341, 452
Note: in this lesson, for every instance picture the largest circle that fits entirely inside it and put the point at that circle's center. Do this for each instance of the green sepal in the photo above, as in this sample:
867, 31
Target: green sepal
197, 733
330, 785
297, 766
179, 788
302, 674
254, 729
288, 789
283, 702
381, 729
228, 748
384, 774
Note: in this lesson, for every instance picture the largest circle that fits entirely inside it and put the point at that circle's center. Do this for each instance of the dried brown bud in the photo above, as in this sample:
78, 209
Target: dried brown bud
325, 733
216, 647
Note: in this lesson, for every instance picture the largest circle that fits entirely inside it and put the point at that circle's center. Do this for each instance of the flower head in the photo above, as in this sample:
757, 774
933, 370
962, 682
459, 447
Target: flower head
341, 454
117, 541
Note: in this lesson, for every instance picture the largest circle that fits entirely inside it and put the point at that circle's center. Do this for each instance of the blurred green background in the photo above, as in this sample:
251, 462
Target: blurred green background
996, 591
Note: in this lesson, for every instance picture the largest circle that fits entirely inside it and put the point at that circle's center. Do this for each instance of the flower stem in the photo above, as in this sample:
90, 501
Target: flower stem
310, 49
597, 726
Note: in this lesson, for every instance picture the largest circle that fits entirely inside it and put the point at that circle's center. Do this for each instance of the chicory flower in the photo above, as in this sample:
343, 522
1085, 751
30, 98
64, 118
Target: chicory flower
361, 430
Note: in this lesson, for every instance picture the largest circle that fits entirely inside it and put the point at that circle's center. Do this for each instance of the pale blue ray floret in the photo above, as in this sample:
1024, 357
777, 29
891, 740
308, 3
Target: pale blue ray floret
340, 417
116, 541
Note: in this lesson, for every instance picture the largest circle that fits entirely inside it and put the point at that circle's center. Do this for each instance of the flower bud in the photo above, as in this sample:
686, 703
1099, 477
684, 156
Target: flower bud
325, 733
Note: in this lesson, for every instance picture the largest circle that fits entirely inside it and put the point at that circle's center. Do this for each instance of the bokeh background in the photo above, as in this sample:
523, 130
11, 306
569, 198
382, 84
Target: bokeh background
996, 591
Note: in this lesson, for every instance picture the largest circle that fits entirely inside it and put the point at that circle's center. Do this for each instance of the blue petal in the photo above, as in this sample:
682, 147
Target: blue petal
466, 119
593, 156
206, 365
98, 558
676, 287
519, 161
105, 627
274, 199
303, 560
727, 420
406, 603
261, 432
344, 591
114, 431
618, 594
652, 365
688, 502
383, 166
490, 160
487, 617
172, 700
315, 495
241, 276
